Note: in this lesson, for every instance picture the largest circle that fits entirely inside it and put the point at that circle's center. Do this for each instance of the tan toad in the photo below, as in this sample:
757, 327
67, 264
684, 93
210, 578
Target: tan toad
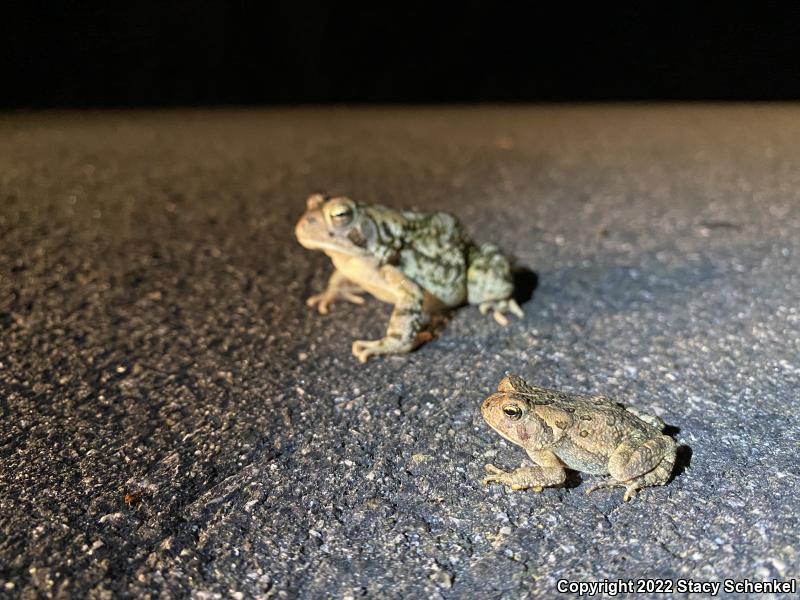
591, 434
419, 262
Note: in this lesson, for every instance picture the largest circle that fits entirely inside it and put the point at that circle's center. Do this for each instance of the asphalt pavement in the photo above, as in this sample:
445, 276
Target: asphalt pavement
174, 421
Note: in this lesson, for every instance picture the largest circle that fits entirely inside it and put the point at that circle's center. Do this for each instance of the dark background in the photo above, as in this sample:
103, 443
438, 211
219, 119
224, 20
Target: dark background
200, 52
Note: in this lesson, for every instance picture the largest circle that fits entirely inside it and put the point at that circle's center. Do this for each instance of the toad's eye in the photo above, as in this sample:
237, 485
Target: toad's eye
512, 411
341, 215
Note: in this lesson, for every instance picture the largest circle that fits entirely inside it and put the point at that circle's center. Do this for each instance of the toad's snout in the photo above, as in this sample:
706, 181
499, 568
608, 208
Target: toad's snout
304, 230
299, 228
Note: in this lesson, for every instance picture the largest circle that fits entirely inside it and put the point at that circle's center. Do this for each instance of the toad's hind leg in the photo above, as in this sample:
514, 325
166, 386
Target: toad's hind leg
490, 283
653, 420
635, 464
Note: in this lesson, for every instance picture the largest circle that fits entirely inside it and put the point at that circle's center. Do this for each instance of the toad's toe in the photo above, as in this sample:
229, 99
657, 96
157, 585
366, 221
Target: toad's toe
501, 319
630, 493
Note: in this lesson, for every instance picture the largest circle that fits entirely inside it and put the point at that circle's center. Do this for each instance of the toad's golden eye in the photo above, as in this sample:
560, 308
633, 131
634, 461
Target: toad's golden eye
512, 411
341, 214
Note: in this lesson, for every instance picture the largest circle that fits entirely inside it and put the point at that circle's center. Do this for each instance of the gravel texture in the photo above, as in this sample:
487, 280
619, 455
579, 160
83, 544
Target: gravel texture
175, 421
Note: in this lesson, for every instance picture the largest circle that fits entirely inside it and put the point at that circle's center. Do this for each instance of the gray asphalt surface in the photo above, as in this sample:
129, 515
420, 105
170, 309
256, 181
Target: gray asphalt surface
155, 344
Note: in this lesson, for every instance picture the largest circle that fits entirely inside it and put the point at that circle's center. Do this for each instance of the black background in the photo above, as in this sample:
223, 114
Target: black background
70, 54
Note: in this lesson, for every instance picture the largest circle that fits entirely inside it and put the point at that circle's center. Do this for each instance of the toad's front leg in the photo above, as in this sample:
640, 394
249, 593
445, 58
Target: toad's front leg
526, 478
339, 288
405, 322
548, 472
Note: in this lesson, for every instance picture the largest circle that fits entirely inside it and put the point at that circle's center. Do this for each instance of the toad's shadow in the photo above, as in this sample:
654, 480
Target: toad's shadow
525, 283
683, 459
683, 455
573, 479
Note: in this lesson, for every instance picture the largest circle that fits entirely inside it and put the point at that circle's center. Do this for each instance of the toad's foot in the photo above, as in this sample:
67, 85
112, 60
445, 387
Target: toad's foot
525, 478
499, 309
630, 489
325, 299
363, 349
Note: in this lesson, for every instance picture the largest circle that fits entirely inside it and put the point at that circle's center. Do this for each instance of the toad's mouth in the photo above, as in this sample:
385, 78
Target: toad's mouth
324, 245
503, 434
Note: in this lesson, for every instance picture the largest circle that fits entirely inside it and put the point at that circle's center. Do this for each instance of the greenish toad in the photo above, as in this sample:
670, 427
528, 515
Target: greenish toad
419, 262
